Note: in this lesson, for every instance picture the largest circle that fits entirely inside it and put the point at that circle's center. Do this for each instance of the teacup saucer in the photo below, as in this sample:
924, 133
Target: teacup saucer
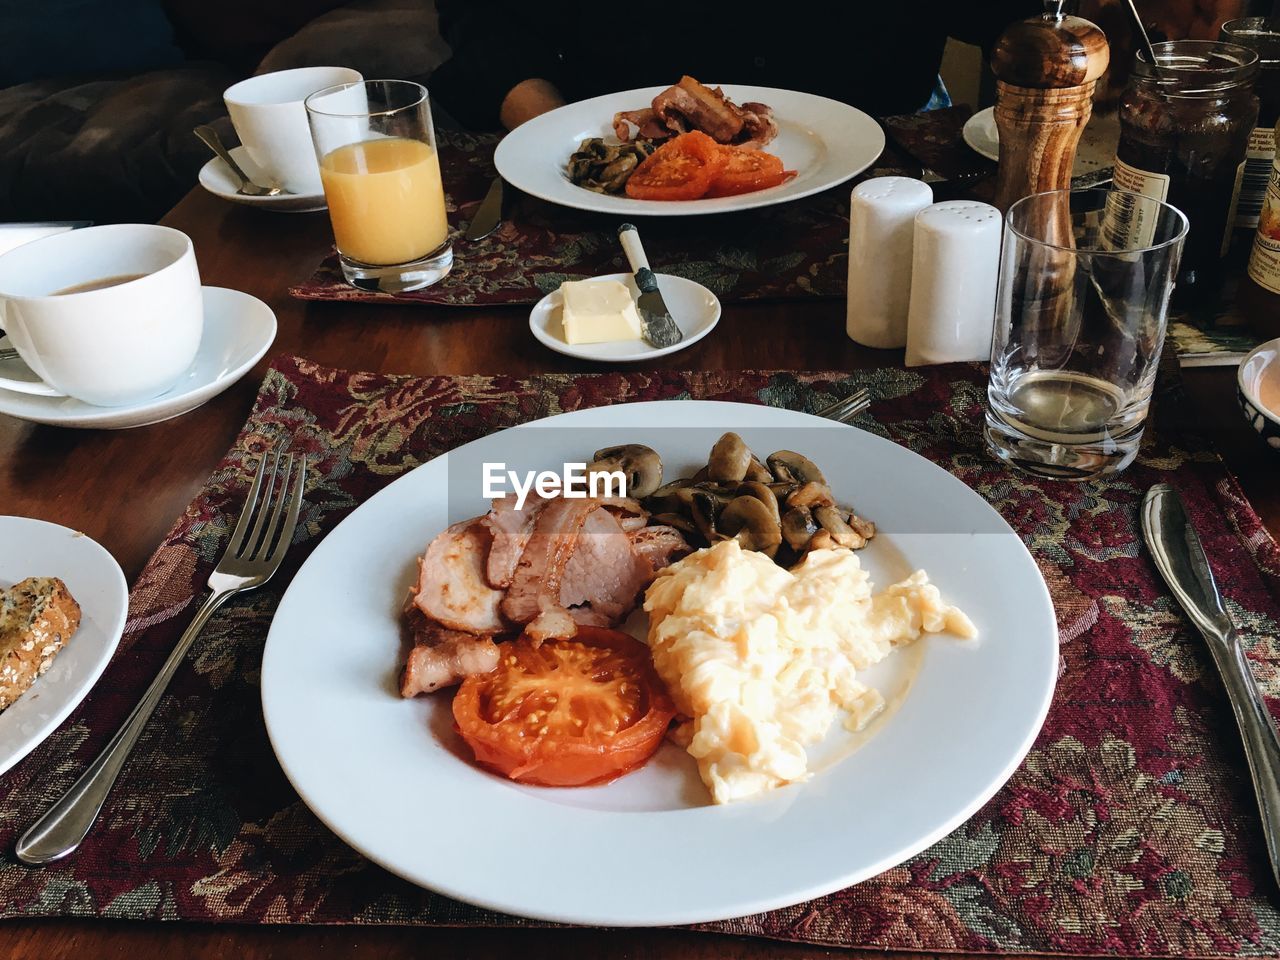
216, 177
695, 309
238, 329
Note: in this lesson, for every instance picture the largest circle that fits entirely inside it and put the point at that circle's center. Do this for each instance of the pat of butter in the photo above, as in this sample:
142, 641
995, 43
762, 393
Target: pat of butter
597, 311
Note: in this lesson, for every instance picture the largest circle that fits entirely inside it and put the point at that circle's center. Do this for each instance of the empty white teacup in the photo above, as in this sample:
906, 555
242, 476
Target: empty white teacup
110, 315
271, 122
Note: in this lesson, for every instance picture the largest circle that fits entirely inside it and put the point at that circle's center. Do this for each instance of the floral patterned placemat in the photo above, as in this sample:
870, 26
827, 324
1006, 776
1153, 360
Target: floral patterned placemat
794, 250
1130, 828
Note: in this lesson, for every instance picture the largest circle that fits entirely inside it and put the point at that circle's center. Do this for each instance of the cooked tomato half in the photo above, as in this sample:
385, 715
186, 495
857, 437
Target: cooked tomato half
683, 168
746, 171
566, 712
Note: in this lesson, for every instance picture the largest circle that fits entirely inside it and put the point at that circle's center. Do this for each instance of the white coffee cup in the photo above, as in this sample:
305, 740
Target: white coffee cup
271, 122
111, 346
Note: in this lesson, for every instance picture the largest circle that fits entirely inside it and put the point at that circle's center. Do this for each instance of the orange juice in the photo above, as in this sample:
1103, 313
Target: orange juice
385, 199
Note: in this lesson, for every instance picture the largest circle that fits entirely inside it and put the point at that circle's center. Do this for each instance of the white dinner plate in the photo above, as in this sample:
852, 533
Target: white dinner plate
392, 779
34, 548
238, 329
826, 142
695, 309
216, 177
1097, 147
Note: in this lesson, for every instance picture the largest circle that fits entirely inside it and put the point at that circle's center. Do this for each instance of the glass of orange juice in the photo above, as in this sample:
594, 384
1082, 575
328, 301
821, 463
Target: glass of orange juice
381, 176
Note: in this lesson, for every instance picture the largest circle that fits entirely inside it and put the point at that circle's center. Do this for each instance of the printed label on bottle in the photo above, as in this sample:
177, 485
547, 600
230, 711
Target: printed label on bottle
1126, 224
1264, 261
1153, 185
1257, 170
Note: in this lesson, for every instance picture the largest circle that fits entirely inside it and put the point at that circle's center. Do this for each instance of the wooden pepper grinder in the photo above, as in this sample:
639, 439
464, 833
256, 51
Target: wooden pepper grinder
1046, 68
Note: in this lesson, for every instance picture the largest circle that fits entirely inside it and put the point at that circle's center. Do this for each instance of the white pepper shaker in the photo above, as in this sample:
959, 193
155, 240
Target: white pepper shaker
955, 263
882, 213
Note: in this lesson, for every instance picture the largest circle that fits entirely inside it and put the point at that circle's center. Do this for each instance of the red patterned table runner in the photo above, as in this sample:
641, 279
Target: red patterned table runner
1130, 829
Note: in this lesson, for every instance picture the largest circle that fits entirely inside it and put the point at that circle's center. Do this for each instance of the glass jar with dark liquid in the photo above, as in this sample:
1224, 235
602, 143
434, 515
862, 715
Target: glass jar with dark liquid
1184, 136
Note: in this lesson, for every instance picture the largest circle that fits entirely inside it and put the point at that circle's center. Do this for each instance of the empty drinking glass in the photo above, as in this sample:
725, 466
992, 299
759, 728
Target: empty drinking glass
1081, 310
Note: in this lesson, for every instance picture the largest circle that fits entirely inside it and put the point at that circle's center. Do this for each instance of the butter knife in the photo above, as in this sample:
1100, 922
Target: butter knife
489, 214
657, 326
1180, 557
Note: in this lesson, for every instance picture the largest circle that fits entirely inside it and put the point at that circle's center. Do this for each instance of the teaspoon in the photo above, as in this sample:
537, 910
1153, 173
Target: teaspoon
247, 186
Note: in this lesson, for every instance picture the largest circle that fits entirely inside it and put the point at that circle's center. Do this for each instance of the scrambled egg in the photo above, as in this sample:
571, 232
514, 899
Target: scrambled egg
760, 658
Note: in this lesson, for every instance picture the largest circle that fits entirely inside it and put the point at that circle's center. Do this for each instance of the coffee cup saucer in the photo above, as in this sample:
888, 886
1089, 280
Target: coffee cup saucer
216, 177
238, 330
23, 378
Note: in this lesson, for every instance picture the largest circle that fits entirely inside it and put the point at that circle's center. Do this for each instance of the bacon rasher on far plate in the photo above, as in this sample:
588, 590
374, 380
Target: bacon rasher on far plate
690, 105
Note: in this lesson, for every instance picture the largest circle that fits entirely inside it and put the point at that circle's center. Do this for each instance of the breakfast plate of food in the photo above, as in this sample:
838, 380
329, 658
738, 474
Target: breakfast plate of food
738, 636
689, 148
63, 601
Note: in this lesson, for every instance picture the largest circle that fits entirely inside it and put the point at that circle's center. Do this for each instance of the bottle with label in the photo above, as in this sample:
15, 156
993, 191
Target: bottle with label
1256, 34
1259, 298
1185, 126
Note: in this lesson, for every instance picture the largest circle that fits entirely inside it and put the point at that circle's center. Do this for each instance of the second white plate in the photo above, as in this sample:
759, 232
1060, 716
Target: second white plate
826, 142
35, 548
695, 309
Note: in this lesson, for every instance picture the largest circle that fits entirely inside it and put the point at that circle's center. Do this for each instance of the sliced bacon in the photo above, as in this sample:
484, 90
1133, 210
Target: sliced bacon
660, 546
511, 529
643, 124
535, 585
552, 621
627, 511
575, 562
588, 617
442, 657
758, 126
604, 573
452, 589
701, 108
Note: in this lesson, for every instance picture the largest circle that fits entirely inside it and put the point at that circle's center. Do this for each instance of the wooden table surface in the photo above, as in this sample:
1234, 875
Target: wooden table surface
125, 488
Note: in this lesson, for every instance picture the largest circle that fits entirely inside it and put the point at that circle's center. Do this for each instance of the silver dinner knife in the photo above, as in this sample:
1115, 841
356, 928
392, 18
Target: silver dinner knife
656, 324
489, 214
1181, 560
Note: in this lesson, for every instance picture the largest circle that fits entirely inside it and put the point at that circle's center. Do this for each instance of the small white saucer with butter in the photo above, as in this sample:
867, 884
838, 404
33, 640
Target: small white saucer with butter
695, 309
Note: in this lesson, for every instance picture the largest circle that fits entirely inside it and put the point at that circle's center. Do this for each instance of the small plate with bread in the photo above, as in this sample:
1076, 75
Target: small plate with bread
63, 602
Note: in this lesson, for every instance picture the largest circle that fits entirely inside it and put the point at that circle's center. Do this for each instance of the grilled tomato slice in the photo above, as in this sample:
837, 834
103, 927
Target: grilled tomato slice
746, 171
683, 168
566, 713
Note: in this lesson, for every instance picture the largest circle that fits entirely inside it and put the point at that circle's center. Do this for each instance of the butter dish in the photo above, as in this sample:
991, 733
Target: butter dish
697, 308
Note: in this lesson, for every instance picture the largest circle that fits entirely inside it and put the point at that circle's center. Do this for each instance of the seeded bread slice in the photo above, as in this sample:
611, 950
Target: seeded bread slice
37, 616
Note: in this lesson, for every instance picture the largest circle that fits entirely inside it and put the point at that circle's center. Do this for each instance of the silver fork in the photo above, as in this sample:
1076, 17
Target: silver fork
251, 557
848, 408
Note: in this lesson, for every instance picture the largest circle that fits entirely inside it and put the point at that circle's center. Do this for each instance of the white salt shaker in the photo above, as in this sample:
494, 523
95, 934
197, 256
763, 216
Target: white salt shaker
882, 213
955, 262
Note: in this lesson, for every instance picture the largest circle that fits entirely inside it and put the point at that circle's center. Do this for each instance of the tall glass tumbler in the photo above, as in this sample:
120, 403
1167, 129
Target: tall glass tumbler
1081, 311
381, 176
